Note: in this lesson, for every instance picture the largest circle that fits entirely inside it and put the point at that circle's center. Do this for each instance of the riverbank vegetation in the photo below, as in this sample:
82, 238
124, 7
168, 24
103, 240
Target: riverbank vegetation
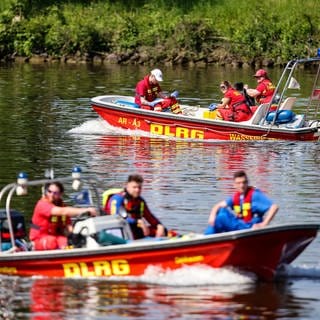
160, 31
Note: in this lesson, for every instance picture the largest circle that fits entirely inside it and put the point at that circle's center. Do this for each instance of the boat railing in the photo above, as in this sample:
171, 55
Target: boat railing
314, 100
278, 92
20, 188
284, 83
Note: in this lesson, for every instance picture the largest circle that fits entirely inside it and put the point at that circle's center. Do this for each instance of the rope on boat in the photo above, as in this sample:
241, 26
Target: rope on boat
190, 111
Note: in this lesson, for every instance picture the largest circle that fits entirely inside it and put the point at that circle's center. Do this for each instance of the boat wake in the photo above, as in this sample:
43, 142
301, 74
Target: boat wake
94, 127
202, 275
300, 271
196, 275
99, 127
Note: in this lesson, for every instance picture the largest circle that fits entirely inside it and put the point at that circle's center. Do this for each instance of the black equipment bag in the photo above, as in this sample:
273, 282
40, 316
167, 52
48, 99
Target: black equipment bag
18, 225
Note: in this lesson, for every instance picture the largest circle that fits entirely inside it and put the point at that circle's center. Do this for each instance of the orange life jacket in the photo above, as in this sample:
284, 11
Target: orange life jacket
243, 211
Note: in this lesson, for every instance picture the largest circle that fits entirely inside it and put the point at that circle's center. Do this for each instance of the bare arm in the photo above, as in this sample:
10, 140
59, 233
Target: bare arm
224, 103
152, 220
162, 95
160, 231
147, 103
144, 101
214, 211
253, 93
268, 217
72, 211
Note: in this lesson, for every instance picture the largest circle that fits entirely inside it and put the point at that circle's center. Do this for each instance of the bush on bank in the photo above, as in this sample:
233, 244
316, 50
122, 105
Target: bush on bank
161, 31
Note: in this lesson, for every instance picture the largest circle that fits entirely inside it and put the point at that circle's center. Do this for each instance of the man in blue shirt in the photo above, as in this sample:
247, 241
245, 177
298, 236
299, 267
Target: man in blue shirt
247, 208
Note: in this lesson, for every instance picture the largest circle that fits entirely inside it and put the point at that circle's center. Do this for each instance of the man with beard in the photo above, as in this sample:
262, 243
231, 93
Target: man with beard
142, 222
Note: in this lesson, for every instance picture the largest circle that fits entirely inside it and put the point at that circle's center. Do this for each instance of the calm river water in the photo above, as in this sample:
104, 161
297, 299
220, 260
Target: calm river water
46, 122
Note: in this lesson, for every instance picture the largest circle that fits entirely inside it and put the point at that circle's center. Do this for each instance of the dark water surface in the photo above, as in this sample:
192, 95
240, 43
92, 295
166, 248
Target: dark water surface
46, 121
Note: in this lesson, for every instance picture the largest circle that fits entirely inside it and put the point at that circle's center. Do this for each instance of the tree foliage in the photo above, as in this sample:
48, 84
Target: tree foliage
278, 29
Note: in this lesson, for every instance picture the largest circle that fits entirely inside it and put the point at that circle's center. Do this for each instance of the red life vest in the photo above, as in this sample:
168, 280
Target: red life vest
236, 97
57, 225
169, 103
134, 206
238, 108
266, 93
243, 211
147, 90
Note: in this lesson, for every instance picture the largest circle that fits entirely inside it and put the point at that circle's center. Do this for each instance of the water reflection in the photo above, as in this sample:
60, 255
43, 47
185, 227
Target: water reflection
183, 179
239, 302
189, 177
93, 299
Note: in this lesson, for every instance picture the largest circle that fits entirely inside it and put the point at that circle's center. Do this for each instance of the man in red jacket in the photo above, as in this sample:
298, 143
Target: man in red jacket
265, 89
148, 89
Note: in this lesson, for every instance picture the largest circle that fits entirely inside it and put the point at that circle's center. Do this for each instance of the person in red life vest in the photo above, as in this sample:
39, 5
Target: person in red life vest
247, 208
51, 219
263, 93
142, 222
233, 106
148, 90
239, 86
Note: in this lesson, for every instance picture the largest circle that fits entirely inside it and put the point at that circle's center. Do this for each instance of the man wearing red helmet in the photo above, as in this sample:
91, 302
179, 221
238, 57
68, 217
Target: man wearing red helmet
265, 89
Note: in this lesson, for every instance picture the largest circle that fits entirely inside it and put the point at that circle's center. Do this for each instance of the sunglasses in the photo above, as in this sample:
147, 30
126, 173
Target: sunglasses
222, 87
55, 193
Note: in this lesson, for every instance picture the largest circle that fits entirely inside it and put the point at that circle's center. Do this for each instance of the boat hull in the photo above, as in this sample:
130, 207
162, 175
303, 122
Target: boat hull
259, 251
186, 127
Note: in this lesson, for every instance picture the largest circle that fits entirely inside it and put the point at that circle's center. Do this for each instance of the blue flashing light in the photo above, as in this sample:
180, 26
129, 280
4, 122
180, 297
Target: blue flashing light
76, 174
22, 175
76, 170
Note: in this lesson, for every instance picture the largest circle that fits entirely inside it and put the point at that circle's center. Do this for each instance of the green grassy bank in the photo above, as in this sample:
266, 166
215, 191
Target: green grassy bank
147, 32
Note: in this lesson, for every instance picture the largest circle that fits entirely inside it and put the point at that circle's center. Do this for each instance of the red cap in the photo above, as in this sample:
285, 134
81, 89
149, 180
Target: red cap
261, 73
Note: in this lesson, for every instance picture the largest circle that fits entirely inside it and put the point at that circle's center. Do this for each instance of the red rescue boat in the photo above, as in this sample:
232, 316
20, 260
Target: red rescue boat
261, 252
197, 124
108, 249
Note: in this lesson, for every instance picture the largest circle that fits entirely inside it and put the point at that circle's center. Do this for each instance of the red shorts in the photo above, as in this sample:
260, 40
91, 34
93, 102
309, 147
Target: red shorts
49, 242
